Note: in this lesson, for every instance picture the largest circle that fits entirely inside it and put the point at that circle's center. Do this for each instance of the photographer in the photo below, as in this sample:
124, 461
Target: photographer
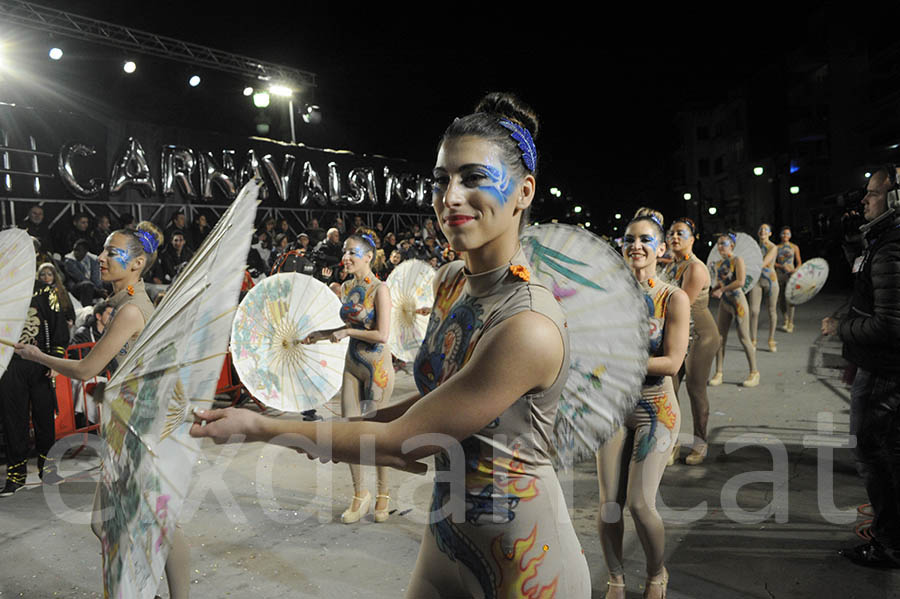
871, 336
327, 256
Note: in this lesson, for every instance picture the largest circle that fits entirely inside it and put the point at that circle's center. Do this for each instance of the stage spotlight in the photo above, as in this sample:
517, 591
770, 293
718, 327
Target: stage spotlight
261, 99
577, 210
194, 81
795, 190
281, 90
129, 66
758, 171
312, 115
262, 128
687, 197
56, 53
248, 91
713, 209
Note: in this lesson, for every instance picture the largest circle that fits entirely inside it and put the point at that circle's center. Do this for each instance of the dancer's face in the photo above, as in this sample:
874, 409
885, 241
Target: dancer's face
680, 238
765, 231
116, 259
477, 197
356, 257
786, 235
642, 245
725, 245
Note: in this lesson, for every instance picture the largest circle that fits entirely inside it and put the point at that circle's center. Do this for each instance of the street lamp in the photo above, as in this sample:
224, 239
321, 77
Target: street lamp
758, 171
713, 209
577, 210
794, 190
687, 196
618, 216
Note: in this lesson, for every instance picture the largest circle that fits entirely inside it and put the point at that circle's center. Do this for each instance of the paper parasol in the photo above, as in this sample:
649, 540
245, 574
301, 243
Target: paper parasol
174, 364
806, 281
268, 326
746, 248
411, 288
17, 266
608, 325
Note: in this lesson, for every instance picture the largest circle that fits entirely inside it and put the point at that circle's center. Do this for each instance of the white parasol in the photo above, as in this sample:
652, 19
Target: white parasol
607, 321
746, 248
17, 266
806, 281
266, 350
411, 288
175, 363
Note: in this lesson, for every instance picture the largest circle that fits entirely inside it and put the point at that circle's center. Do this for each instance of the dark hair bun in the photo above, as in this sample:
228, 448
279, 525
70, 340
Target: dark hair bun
511, 107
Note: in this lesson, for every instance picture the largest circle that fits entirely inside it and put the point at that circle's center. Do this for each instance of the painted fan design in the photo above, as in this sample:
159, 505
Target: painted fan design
411, 288
17, 266
746, 248
607, 321
174, 365
266, 349
806, 281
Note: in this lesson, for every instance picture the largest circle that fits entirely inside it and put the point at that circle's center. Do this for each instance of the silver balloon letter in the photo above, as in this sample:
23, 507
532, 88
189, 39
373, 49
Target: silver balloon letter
132, 170
223, 178
177, 165
362, 186
67, 174
311, 187
251, 170
282, 180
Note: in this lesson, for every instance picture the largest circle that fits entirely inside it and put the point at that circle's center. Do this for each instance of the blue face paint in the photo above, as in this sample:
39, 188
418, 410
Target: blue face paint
356, 251
646, 239
683, 233
501, 183
120, 256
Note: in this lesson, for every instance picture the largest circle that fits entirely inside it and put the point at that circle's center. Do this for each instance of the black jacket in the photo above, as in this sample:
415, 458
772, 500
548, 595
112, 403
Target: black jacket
871, 329
45, 325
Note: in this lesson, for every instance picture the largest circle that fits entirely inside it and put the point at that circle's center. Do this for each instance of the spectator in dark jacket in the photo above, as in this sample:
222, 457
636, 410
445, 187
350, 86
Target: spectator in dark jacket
80, 223
174, 257
94, 326
26, 383
36, 227
83, 273
871, 336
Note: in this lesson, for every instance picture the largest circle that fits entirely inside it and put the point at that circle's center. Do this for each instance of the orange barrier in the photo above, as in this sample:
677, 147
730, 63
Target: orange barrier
65, 400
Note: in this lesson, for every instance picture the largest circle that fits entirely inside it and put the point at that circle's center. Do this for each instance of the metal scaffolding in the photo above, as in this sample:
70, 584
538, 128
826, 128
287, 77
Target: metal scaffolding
61, 23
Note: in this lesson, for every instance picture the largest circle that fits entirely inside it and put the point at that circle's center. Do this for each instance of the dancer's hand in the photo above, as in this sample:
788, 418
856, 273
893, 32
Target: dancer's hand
829, 326
339, 334
313, 337
28, 351
231, 425
717, 292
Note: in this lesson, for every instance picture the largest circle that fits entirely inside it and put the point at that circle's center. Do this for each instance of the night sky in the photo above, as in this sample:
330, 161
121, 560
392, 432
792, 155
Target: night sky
606, 85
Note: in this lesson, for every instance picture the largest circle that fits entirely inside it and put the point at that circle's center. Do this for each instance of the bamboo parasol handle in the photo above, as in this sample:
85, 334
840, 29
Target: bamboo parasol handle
8, 343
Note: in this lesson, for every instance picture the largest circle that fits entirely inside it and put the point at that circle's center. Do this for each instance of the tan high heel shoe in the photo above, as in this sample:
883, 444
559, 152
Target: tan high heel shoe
350, 515
662, 582
773, 347
697, 455
716, 380
382, 515
752, 380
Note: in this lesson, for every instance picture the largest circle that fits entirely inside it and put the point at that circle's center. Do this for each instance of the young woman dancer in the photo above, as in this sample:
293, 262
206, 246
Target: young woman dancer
767, 285
368, 371
690, 273
787, 261
631, 464
730, 273
126, 256
490, 371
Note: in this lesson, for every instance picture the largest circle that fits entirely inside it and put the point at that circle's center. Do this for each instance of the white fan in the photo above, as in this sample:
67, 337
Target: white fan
607, 321
746, 248
411, 288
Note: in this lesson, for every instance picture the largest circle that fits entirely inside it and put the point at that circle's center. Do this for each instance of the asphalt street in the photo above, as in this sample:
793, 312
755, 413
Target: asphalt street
762, 517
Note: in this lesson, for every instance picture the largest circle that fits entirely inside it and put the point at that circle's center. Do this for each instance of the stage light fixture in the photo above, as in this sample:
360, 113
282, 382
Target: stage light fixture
194, 81
261, 99
262, 128
312, 115
587, 224
248, 91
687, 197
577, 209
794, 190
758, 171
713, 209
55, 53
618, 216
282, 91
868, 174
129, 66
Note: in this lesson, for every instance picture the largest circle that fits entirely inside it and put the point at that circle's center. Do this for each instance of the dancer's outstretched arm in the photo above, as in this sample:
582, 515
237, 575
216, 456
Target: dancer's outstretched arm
499, 371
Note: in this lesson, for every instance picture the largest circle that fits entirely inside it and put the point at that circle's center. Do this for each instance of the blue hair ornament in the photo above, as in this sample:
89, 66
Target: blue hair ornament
655, 219
368, 238
523, 137
733, 238
148, 240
